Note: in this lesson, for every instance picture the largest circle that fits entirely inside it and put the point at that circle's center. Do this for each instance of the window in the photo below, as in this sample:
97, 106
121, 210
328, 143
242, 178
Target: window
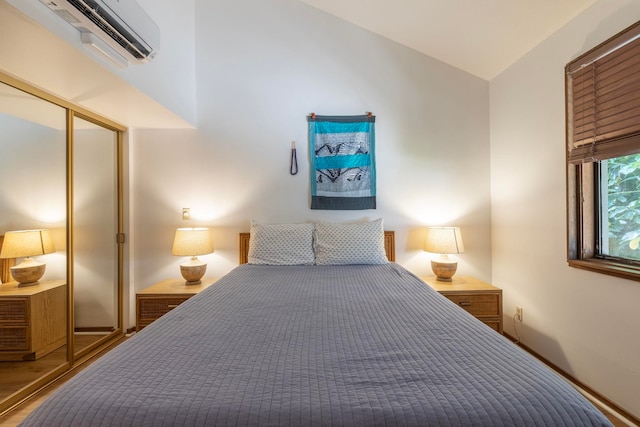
603, 157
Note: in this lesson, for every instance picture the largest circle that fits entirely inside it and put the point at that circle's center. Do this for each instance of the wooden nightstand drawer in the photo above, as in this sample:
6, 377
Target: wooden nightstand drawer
14, 338
487, 305
480, 299
496, 325
162, 297
151, 308
14, 310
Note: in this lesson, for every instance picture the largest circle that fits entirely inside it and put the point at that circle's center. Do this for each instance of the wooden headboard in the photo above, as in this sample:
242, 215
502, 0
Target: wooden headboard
389, 246
5, 265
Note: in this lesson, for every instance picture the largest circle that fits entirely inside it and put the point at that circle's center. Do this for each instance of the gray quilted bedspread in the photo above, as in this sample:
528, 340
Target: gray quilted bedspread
317, 346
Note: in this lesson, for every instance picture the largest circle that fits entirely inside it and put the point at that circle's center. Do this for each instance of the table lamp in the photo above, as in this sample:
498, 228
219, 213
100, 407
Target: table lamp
27, 243
444, 241
192, 242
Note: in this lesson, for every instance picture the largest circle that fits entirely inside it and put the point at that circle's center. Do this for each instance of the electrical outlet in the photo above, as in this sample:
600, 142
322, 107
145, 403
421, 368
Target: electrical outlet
186, 213
518, 315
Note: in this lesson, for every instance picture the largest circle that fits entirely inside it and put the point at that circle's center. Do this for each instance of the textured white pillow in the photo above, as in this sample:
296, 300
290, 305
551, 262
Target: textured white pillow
357, 243
281, 244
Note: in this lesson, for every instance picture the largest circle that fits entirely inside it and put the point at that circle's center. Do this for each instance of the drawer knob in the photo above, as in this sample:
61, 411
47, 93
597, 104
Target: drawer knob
171, 306
465, 303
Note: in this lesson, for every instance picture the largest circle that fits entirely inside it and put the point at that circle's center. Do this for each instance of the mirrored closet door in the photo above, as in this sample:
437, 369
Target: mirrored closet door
61, 186
33, 196
95, 231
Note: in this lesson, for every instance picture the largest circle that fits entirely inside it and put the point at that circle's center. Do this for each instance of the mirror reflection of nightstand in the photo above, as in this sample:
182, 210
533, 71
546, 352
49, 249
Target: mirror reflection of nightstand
33, 319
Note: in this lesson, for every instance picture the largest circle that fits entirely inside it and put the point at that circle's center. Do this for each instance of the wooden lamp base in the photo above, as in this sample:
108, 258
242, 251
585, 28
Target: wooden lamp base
444, 271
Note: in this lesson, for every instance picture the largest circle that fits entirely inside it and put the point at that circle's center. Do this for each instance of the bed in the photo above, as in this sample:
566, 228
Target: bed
317, 345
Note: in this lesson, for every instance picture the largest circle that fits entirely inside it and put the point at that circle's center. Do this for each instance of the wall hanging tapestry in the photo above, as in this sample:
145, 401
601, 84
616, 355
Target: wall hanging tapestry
342, 155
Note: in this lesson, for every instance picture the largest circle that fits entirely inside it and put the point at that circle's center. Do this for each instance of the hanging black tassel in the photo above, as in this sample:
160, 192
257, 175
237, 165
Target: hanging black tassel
293, 165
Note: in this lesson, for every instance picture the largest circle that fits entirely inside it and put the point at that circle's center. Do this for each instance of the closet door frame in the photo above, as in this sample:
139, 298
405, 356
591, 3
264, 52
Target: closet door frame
76, 359
119, 237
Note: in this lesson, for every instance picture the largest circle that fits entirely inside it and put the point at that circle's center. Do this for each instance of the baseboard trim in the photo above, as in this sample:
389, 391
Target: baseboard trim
587, 391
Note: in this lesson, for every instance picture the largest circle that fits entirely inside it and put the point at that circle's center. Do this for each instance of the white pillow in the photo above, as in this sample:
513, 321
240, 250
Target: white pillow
281, 244
357, 243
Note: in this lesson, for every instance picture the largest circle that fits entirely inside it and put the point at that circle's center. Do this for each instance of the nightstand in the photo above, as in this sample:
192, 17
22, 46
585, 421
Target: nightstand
164, 296
33, 319
481, 299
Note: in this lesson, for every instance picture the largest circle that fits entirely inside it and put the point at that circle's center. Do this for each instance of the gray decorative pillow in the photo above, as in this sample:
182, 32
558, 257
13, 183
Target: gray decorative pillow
281, 244
357, 243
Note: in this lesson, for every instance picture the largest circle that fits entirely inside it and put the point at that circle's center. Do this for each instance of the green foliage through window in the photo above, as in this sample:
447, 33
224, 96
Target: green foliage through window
623, 195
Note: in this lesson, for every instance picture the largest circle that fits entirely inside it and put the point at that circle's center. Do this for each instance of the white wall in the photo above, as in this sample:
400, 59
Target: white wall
586, 323
261, 68
170, 77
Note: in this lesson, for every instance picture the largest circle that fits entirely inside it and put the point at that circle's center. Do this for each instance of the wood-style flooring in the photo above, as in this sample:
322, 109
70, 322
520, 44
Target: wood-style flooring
18, 374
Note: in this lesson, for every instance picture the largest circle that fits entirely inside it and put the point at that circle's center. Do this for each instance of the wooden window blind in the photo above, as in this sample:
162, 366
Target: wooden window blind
603, 100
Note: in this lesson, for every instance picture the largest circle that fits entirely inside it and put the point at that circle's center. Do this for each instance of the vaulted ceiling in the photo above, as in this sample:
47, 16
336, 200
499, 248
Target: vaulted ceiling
482, 37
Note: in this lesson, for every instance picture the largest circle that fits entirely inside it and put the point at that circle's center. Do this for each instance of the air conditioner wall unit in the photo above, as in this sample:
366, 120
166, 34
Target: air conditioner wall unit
121, 24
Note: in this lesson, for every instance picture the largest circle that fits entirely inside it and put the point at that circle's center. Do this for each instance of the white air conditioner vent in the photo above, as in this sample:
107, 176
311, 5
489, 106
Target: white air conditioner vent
64, 14
123, 25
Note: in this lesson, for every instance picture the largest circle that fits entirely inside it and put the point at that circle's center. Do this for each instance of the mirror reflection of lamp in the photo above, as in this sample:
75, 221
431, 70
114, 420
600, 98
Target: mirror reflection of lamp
444, 241
192, 242
27, 243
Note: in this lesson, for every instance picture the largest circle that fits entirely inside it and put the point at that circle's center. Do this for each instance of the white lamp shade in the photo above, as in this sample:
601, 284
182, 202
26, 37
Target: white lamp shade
444, 240
26, 243
192, 242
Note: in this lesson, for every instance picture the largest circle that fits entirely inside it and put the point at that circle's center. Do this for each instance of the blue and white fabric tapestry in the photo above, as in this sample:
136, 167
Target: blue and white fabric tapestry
343, 169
